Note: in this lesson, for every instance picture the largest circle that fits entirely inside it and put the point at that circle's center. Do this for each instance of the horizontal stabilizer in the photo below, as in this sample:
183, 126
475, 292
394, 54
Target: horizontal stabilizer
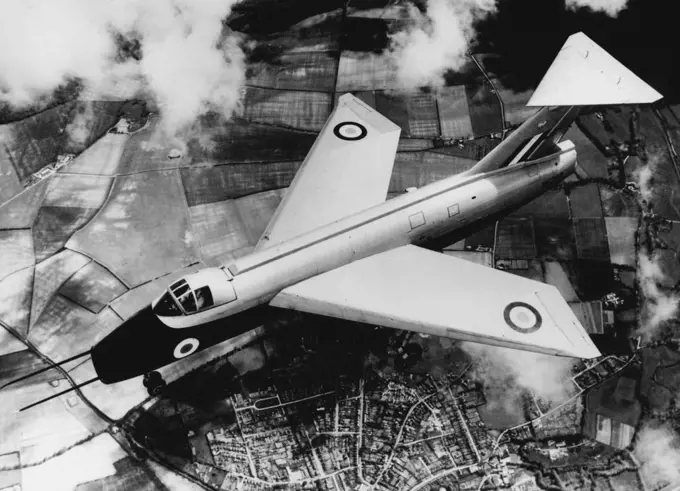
584, 74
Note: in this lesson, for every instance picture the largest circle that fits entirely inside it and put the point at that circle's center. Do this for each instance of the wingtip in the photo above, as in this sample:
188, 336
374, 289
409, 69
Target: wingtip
581, 347
583, 73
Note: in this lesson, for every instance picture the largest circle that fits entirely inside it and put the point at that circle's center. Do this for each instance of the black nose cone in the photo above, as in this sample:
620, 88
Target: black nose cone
132, 349
143, 343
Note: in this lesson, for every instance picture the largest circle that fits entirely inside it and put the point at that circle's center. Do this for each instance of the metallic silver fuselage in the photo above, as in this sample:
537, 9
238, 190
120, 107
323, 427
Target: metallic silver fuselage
261, 275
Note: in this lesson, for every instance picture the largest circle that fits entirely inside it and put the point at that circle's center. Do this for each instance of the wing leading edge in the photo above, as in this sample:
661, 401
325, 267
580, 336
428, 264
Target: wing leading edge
347, 170
424, 291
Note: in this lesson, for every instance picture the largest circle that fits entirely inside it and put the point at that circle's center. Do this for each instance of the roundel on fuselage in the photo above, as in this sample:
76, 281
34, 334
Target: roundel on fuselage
522, 317
349, 130
186, 348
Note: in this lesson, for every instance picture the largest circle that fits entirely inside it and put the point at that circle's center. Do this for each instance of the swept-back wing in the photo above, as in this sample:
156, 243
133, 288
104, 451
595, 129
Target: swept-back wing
424, 291
347, 170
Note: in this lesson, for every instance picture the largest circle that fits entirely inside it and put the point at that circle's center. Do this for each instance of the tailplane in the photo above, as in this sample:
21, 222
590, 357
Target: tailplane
584, 74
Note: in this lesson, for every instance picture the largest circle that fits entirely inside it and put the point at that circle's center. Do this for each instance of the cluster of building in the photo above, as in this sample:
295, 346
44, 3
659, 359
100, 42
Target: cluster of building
595, 372
392, 430
229, 450
563, 421
61, 161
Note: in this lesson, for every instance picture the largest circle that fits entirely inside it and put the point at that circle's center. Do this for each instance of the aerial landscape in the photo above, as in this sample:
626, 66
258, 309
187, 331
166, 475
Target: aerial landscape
167, 148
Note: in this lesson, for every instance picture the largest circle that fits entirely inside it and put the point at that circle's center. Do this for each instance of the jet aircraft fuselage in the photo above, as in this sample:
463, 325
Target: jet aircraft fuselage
335, 247
416, 217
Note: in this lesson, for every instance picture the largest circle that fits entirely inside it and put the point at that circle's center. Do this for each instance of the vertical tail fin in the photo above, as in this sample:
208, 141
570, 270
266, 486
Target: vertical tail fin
584, 74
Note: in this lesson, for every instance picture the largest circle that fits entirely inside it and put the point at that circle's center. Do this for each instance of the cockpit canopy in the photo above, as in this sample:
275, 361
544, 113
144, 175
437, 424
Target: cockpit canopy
198, 291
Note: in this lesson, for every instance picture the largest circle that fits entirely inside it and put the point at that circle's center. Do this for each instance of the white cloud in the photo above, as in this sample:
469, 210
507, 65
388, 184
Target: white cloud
436, 41
188, 65
504, 370
610, 7
643, 176
657, 448
659, 306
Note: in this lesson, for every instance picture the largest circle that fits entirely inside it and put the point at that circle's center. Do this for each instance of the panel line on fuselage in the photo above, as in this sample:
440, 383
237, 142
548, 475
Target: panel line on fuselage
459, 183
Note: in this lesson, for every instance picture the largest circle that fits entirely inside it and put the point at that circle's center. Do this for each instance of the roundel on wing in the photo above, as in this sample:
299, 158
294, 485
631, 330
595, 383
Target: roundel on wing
522, 317
349, 130
186, 347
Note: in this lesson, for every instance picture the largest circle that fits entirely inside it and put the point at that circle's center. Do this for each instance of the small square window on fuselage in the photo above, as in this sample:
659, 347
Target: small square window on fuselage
453, 210
416, 220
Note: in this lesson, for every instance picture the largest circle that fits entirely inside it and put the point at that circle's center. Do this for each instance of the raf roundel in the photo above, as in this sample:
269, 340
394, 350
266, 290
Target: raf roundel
522, 317
185, 348
349, 130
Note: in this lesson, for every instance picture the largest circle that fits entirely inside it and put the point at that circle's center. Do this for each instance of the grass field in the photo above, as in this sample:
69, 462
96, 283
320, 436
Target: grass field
36, 141
217, 140
485, 110
10, 185
558, 275
554, 238
365, 71
77, 191
8, 343
298, 24
621, 233
220, 231
69, 204
594, 128
93, 287
473, 149
299, 110
40, 432
617, 121
515, 239
610, 398
669, 259
454, 112
414, 144
626, 481
16, 251
66, 328
50, 275
148, 149
22, 363
102, 157
15, 299
256, 210
88, 122
311, 70
143, 231
584, 201
211, 184
593, 279
415, 113
552, 203
421, 168
652, 358
591, 239
54, 226
590, 158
